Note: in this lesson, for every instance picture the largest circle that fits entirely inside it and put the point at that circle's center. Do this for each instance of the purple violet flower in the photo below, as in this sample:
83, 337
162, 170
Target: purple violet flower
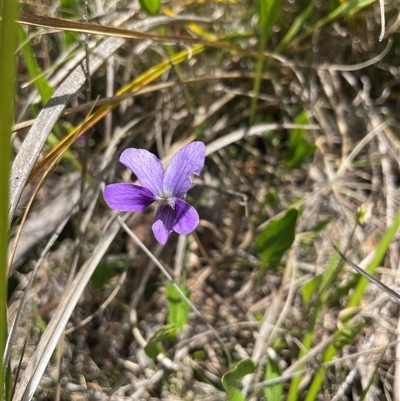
164, 187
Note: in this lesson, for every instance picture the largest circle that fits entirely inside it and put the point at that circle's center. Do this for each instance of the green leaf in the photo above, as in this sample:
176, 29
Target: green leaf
178, 309
310, 288
154, 346
272, 371
231, 380
151, 7
298, 148
276, 238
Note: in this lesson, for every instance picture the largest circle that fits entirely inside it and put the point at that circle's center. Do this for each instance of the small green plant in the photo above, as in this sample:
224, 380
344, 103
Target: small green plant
231, 380
154, 346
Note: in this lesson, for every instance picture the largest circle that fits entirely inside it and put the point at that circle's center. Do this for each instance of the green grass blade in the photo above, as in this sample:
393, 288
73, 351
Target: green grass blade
296, 26
347, 8
326, 278
354, 301
272, 371
319, 377
306, 345
343, 337
35, 72
8, 10
269, 10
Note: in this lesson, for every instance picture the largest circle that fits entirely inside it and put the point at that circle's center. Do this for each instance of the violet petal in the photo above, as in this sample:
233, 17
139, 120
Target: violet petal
127, 197
187, 218
146, 166
162, 227
189, 160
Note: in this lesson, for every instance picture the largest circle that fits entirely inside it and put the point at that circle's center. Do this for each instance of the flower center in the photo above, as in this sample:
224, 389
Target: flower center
167, 201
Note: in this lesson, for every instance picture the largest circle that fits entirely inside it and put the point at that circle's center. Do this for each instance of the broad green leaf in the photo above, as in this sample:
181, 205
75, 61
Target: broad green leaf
272, 371
151, 7
276, 238
298, 148
178, 309
232, 380
154, 346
